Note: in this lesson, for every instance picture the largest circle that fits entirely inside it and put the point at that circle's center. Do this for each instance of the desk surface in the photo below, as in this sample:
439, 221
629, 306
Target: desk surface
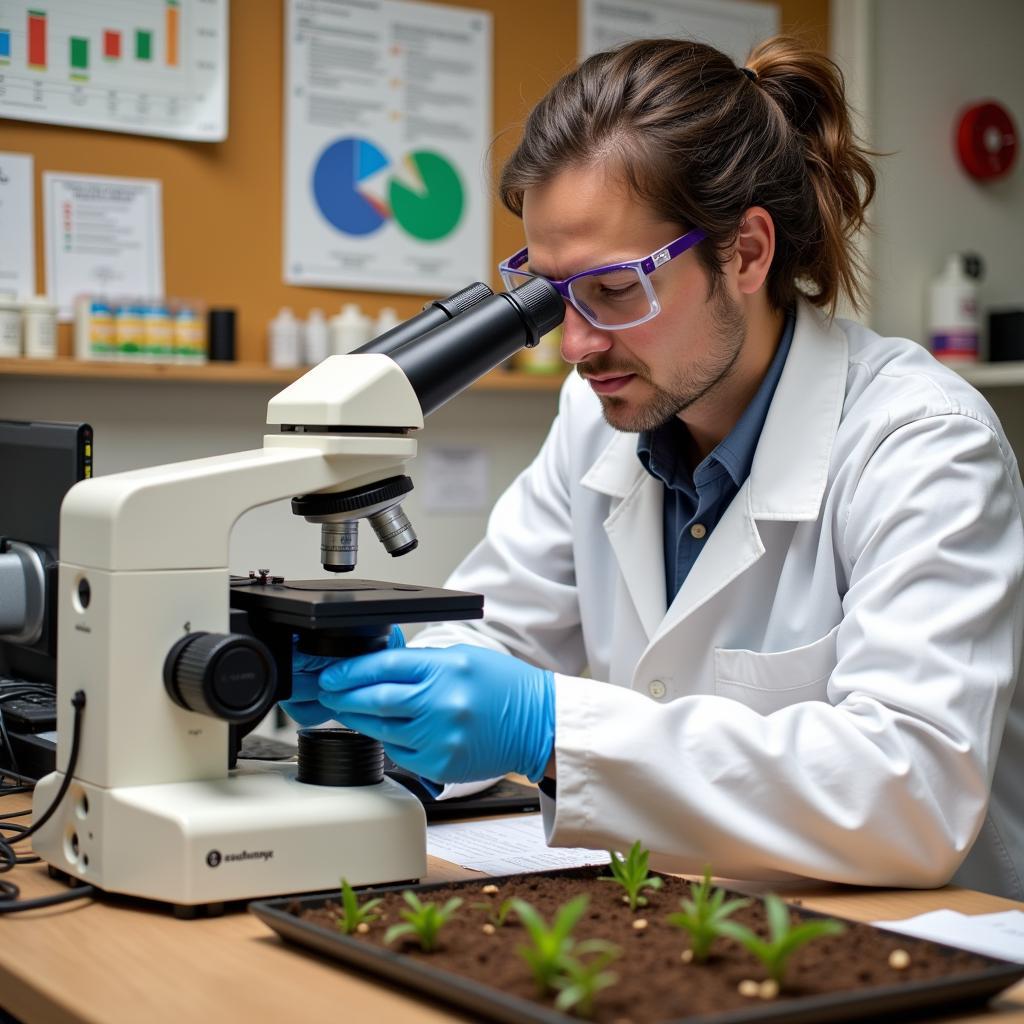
104, 963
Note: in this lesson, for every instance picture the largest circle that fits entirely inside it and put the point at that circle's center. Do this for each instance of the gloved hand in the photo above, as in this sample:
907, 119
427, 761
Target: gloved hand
303, 705
452, 714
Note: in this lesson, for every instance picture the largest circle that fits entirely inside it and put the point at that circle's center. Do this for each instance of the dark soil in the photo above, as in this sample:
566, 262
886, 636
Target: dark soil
654, 983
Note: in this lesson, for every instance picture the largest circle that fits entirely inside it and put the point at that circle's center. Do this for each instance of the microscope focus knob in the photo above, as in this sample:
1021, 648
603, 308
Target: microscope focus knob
224, 675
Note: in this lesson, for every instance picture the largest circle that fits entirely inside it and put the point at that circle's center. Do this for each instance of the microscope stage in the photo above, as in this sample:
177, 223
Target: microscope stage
340, 603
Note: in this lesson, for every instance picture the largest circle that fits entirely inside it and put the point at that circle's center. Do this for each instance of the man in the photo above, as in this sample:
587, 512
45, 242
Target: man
787, 552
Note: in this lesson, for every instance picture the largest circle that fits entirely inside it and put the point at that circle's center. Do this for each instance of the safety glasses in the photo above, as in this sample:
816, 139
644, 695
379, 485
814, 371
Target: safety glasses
612, 297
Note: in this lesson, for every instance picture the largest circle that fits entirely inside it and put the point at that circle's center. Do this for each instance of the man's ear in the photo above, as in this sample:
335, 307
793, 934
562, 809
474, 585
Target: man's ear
754, 249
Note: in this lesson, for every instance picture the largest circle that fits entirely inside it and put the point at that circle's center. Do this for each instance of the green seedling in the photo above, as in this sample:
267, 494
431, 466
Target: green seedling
352, 914
550, 945
703, 914
580, 981
496, 917
631, 873
424, 920
785, 940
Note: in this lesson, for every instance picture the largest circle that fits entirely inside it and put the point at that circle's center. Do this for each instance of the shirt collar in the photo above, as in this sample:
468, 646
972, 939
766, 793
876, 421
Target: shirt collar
661, 450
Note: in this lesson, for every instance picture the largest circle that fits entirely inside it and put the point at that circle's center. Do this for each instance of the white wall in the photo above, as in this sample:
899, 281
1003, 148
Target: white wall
146, 423
931, 58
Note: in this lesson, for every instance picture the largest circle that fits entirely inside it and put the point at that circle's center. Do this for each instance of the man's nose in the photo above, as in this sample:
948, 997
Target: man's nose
580, 339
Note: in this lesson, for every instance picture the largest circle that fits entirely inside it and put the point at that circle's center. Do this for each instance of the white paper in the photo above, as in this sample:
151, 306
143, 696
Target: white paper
732, 26
387, 124
999, 935
148, 67
17, 226
454, 478
104, 236
505, 846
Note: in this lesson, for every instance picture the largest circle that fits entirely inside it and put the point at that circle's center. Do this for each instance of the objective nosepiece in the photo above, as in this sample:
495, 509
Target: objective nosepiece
339, 514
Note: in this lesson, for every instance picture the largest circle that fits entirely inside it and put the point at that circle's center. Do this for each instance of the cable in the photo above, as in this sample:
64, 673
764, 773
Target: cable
9, 891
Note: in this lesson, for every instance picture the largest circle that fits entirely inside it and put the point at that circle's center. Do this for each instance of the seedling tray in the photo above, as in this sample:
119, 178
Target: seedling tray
960, 978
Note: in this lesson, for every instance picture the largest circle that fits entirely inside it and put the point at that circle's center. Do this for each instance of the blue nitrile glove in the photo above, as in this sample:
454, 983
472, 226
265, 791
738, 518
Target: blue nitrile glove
451, 714
303, 705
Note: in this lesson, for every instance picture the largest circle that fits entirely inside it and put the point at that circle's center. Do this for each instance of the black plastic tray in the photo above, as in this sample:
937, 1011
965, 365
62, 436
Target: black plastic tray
944, 994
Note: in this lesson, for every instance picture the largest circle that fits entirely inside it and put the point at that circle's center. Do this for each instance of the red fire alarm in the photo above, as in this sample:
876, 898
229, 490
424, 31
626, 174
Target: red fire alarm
986, 140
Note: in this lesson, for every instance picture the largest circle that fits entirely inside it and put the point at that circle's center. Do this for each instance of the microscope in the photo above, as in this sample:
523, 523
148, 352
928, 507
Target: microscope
165, 654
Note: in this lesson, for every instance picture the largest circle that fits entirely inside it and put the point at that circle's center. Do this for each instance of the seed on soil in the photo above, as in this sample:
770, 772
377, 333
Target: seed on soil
686, 956
488, 929
768, 989
640, 924
362, 927
749, 988
489, 889
899, 959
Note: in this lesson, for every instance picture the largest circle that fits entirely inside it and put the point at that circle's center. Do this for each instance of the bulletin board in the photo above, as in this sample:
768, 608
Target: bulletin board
222, 202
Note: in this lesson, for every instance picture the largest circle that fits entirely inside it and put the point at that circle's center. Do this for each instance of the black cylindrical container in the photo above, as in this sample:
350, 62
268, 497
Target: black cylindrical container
339, 757
1006, 335
221, 333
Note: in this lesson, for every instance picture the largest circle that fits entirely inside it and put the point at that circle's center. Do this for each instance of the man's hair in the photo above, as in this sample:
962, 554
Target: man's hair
701, 141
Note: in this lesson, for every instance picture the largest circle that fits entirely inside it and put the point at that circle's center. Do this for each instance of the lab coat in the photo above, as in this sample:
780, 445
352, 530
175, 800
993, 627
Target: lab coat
831, 692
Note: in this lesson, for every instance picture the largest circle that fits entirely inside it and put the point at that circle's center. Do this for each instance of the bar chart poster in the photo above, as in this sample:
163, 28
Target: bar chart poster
387, 124
148, 67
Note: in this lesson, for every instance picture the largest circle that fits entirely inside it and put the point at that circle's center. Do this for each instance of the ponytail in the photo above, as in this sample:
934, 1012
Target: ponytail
807, 89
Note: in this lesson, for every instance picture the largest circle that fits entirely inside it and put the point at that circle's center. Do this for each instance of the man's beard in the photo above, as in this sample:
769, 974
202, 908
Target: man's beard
689, 386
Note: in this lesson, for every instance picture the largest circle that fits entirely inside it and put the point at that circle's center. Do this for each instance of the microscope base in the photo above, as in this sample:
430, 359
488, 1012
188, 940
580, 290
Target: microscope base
253, 833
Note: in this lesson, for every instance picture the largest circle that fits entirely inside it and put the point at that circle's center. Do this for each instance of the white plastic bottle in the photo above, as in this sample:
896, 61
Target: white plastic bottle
953, 313
40, 327
316, 347
386, 319
349, 329
283, 340
10, 325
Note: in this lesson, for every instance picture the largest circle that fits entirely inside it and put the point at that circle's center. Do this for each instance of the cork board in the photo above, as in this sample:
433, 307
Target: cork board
223, 202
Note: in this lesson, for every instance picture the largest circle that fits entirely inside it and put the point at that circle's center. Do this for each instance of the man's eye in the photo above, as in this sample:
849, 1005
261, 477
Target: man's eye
620, 291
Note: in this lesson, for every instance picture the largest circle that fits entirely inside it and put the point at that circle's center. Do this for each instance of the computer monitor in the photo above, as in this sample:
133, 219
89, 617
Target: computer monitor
39, 463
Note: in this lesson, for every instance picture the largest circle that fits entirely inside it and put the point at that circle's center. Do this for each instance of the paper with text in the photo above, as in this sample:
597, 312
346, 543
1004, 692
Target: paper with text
505, 846
1000, 934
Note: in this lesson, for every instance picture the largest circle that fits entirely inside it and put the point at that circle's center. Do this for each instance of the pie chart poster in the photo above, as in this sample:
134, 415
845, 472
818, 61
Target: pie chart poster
387, 123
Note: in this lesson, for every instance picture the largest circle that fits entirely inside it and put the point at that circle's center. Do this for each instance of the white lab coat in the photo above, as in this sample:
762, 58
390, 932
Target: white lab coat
829, 694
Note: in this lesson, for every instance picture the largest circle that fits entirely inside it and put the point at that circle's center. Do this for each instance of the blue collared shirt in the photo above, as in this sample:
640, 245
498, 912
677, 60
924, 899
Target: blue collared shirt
695, 502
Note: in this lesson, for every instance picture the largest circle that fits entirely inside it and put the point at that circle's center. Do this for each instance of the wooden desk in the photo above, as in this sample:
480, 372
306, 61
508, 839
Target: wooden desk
94, 962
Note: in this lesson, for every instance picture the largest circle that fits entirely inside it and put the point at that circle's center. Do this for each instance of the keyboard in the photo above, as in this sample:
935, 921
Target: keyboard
31, 711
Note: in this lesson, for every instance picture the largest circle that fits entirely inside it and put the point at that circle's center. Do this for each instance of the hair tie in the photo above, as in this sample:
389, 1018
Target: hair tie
750, 73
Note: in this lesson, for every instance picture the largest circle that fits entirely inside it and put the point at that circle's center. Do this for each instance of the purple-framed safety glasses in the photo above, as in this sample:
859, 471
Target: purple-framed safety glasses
612, 297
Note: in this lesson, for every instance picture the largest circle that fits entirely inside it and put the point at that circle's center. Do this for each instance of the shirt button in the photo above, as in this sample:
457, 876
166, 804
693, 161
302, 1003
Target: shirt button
656, 688
698, 531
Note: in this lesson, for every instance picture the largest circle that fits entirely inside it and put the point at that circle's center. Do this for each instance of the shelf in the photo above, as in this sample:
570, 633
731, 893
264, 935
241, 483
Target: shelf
229, 373
991, 375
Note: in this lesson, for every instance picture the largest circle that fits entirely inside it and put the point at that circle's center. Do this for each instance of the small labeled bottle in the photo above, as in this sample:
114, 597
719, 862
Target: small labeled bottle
94, 328
349, 329
157, 333
189, 334
128, 331
10, 325
953, 314
283, 340
40, 327
315, 341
